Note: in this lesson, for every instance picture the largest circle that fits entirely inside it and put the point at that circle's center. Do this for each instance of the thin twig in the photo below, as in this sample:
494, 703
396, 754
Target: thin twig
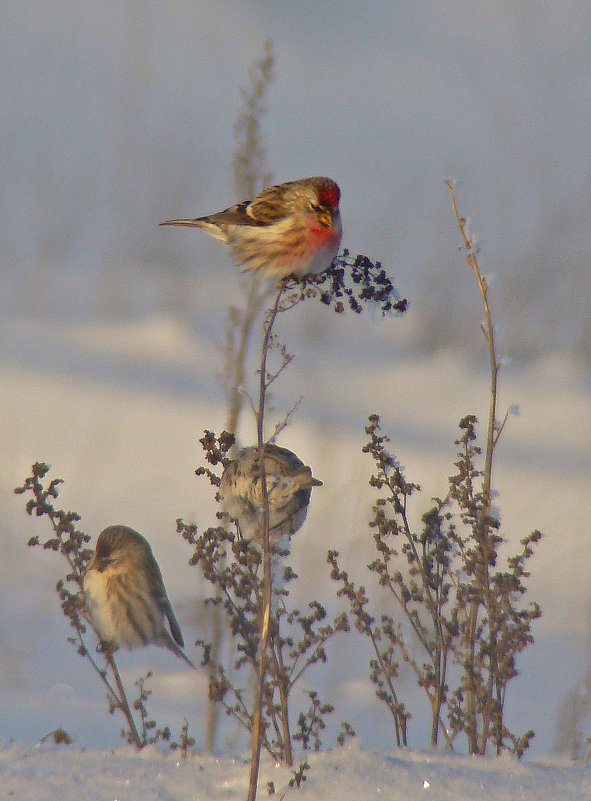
122, 702
485, 535
267, 589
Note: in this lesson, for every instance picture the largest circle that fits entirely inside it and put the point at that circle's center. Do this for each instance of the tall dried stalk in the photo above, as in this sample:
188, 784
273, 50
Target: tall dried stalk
494, 694
250, 177
264, 381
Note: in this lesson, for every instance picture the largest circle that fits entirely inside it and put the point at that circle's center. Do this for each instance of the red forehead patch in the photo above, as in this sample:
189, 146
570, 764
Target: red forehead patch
329, 196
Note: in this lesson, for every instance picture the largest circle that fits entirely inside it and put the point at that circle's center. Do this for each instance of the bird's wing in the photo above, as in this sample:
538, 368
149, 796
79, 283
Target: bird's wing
175, 629
269, 206
234, 215
216, 224
266, 209
158, 591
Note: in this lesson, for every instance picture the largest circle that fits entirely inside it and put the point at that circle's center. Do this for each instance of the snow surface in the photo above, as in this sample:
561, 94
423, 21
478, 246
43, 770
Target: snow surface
347, 774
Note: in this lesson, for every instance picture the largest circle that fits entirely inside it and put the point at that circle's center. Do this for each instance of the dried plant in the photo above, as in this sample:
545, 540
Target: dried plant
370, 283
250, 177
70, 542
385, 640
249, 164
360, 282
491, 613
462, 610
58, 736
185, 742
299, 775
311, 723
150, 733
352, 283
296, 639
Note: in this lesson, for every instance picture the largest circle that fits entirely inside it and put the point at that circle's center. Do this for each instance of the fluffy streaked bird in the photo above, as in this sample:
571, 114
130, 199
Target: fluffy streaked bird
125, 594
289, 486
287, 229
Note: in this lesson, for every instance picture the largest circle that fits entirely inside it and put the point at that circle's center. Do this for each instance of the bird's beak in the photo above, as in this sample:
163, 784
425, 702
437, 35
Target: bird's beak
180, 222
325, 218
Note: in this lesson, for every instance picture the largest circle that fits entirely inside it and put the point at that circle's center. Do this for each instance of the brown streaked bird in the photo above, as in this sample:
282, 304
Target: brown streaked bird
288, 229
125, 594
289, 486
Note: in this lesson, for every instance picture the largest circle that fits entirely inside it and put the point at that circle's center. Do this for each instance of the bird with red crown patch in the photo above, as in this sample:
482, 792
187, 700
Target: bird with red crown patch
288, 229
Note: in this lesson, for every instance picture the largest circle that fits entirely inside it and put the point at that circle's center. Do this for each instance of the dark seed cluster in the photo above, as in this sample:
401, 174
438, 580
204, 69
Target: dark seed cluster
352, 282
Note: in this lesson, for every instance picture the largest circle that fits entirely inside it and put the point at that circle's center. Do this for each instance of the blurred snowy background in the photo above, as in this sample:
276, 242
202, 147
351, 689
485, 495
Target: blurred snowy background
116, 116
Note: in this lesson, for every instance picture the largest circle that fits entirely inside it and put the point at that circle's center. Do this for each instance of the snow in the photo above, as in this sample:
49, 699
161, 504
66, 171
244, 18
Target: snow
349, 773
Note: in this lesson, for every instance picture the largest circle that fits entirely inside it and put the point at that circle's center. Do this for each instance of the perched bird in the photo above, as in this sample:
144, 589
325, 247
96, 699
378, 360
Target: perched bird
289, 486
287, 229
125, 594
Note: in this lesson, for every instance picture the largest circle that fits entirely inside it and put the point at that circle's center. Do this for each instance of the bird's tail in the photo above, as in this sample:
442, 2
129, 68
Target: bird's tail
205, 223
166, 641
